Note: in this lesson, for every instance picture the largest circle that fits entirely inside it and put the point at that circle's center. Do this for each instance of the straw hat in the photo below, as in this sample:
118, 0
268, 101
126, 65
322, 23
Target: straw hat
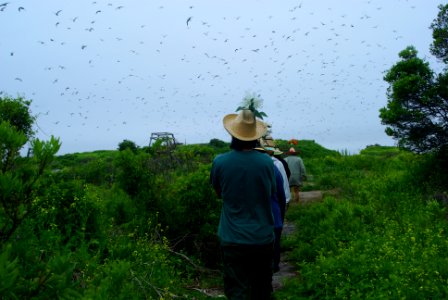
244, 126
269, 149
269, 141
277, 151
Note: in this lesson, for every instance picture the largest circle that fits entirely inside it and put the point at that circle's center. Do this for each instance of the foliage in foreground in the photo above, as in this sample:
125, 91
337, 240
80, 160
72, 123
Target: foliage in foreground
384, 237
87, 225
134, 224
19, 177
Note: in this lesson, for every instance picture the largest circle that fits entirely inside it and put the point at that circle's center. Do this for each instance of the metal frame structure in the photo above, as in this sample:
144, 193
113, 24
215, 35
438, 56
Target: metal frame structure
167, 138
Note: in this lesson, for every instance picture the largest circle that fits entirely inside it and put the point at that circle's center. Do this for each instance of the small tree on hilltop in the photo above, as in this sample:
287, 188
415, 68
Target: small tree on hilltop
417, 108
217, 143
127, 144
17, 113
19, 176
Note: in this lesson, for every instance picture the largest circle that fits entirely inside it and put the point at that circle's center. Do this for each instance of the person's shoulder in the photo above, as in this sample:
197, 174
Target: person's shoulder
266, 159
221, 156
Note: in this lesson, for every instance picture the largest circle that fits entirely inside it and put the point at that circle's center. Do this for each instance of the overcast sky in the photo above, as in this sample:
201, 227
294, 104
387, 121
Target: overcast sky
99, 72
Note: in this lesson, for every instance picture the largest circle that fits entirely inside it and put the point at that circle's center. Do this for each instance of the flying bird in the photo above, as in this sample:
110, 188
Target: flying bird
21, 8
188, 20
3, 6
58, 12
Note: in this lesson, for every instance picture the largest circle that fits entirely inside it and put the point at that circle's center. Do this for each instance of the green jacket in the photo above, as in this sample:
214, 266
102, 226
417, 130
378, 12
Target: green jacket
245, 181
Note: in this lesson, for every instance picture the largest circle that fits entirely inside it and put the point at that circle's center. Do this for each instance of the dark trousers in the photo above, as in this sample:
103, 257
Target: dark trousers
247, 271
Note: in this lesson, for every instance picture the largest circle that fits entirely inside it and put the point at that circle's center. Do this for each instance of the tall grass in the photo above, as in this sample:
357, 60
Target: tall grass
383, 237
137, 225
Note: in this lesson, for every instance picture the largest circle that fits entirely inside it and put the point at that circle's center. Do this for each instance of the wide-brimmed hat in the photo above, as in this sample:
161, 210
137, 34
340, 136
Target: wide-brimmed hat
277, 151
244, 126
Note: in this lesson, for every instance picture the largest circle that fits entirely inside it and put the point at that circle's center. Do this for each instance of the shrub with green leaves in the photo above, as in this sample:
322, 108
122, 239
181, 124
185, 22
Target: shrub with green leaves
384, 237
127, 144
19, 177
190, 210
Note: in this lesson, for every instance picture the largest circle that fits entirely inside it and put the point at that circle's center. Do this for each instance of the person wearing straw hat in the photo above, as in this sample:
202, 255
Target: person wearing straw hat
271, 152
298, 173
278, 155
245, 180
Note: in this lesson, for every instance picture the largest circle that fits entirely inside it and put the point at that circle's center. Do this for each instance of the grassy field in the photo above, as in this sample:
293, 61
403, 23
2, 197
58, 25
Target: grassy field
383, 236
142, 225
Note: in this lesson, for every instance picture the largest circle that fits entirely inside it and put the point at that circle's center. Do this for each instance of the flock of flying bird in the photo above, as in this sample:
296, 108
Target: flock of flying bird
106, 69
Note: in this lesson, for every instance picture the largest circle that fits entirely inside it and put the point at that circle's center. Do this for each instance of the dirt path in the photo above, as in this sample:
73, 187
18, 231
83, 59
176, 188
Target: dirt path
286, 269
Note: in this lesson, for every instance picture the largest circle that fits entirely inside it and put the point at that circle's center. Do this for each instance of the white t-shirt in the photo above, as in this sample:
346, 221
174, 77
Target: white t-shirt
281, 168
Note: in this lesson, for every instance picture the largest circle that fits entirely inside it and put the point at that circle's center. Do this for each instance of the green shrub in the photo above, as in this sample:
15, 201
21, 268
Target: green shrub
190, 210
93, 167
127, 144
9, 274
135, 176
383, 238
307, 149
218, 143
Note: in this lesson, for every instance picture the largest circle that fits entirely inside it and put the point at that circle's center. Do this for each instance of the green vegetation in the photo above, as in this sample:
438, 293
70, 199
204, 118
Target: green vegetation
127, 144
417, 108
19, 178
140, 225
382, 236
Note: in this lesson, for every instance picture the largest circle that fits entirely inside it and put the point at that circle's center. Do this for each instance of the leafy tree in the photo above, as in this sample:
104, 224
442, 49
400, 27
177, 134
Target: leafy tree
439, 47
19, 176
127, 144
417, 108
17, 112
217, 143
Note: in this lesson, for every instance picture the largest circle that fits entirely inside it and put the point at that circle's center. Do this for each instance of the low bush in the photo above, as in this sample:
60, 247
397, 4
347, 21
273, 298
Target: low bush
190, 211
379, 239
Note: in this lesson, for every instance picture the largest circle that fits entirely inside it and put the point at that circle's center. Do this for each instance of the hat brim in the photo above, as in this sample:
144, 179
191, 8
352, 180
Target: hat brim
248, 133
260, 149
277, 152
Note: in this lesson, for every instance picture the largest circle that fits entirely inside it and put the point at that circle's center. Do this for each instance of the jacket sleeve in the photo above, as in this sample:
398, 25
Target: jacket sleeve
281, 194
214, 181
